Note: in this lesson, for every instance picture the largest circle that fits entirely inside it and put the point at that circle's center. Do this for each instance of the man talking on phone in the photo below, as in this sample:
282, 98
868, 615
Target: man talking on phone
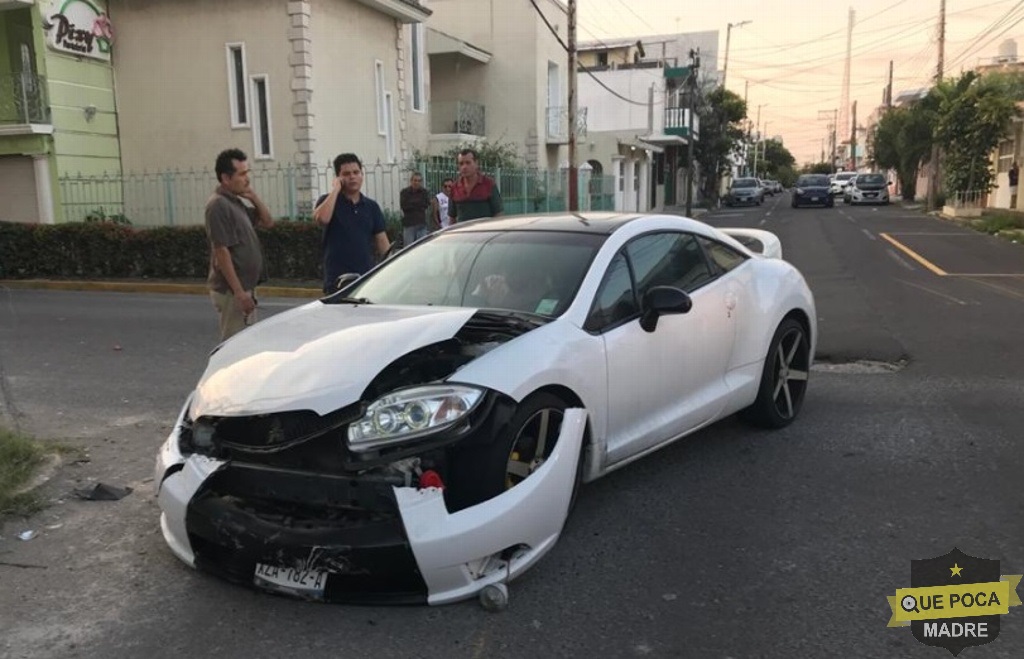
236, 259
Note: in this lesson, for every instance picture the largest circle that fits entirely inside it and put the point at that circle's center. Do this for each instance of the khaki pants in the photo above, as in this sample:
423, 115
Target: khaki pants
232, 321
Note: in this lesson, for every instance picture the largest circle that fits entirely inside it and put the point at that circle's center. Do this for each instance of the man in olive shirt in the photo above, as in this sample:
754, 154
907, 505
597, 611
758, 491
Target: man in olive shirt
236, 261
474, 195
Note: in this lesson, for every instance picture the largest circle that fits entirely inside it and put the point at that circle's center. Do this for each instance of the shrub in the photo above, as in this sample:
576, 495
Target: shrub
104, 249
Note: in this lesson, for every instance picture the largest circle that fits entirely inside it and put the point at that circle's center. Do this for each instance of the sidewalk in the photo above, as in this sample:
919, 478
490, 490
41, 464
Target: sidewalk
190, 287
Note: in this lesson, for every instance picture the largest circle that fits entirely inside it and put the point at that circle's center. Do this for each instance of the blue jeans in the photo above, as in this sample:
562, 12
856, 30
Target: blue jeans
412, 234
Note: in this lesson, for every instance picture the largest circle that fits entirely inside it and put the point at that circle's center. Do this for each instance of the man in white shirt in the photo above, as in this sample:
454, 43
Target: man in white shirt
441, 218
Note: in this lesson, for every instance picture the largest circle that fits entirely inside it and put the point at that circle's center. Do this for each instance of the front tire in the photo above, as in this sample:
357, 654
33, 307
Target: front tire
783, 379
520, 448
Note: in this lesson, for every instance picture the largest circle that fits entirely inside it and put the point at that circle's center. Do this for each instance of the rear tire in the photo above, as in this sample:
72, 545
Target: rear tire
783, 379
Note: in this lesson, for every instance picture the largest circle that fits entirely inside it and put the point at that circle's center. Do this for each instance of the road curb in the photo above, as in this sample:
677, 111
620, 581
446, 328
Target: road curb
149, 287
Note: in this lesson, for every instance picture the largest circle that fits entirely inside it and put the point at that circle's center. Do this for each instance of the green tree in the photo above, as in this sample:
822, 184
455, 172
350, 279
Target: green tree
902, 141
970, 125
816, 168
772, 157
720, 112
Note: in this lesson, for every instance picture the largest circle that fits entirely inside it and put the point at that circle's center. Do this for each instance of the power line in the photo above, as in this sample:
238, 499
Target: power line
551, 28
959, 59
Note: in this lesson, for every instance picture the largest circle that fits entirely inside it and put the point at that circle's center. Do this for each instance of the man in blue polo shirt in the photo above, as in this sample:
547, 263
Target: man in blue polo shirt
353, 223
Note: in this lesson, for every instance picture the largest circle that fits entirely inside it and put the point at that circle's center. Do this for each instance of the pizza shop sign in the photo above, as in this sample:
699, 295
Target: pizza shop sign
79, 27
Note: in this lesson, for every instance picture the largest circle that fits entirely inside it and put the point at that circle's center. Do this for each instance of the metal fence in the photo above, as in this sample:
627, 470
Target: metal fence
178, 198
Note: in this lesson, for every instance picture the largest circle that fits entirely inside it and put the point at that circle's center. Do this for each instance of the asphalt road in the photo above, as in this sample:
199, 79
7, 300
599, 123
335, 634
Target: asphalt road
731, 543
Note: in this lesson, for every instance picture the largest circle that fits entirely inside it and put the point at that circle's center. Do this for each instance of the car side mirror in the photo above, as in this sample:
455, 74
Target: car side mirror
661, 300
344, 280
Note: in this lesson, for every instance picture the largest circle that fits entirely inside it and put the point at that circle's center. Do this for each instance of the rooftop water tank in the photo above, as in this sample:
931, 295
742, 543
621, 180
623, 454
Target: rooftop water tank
1007, 51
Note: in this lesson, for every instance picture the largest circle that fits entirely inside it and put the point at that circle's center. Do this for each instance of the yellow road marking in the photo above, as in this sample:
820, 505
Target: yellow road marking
914, 255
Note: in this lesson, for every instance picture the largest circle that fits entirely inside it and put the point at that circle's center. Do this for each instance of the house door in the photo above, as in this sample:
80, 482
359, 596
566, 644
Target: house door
18, 189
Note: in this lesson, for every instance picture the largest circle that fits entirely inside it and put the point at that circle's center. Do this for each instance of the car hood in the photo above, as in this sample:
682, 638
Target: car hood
318, 357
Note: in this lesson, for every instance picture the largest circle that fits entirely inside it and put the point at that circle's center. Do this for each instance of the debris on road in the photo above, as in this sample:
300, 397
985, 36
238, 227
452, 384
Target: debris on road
103, 492
27, 535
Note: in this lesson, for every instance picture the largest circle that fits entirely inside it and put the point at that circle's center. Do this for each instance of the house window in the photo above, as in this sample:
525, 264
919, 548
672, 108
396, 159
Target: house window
381, 100
389, 133
1006, 150
237, 80
261, 118
602, 59
418, 87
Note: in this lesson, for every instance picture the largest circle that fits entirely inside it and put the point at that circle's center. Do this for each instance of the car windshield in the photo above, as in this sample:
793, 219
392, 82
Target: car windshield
870, 179
812, 181
744, 183
537, 272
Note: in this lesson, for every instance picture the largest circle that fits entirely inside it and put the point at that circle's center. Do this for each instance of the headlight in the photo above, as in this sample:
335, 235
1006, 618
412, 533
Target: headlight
799, 191
411, 413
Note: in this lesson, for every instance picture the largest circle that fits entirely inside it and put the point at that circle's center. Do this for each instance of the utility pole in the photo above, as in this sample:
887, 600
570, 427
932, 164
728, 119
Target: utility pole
933, 179
574, 197
694, 68
853, 139
888, 89
728, 38
760, 105
844, 102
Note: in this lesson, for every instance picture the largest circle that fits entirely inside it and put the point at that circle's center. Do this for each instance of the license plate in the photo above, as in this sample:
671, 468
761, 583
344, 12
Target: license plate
307, 582
870, 194
814, 199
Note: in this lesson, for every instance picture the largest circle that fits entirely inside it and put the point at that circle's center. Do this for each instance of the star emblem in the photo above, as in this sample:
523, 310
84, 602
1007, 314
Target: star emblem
955, 570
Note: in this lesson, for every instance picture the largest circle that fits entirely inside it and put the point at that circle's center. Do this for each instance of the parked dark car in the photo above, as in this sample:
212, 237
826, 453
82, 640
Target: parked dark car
812, 189
745, 191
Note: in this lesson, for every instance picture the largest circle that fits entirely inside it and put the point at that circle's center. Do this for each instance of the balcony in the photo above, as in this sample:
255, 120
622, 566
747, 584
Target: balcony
677, 123
457, 117
24, 103
558, 124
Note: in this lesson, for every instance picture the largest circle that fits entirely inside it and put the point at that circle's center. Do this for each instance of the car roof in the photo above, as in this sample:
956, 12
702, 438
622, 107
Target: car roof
582, 222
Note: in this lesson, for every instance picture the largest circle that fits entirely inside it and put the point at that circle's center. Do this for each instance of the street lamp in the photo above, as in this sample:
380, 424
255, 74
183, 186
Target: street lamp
728, 37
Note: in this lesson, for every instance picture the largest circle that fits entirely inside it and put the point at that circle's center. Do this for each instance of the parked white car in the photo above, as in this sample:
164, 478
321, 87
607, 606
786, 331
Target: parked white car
839, 182
421, 434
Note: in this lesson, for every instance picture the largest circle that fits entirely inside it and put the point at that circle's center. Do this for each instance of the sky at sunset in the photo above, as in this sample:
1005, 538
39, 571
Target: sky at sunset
792, 54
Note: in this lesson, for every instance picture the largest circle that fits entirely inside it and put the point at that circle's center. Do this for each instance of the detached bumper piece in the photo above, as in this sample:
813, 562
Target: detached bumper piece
321, 537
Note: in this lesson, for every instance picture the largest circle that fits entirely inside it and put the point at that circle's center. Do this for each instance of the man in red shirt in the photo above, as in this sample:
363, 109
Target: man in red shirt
474, 195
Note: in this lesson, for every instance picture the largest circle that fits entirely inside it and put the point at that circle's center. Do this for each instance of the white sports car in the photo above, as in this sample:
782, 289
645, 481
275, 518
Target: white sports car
421, 434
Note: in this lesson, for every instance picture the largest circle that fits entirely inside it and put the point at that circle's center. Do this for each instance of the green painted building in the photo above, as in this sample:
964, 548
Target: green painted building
58, 115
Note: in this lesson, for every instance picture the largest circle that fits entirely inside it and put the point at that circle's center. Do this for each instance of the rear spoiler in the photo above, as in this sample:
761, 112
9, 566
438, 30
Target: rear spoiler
758, 241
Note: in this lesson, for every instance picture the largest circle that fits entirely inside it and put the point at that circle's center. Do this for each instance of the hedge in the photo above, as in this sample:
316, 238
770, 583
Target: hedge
107, 250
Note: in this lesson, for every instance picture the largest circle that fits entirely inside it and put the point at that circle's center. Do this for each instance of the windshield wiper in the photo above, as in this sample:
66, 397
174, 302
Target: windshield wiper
348, 300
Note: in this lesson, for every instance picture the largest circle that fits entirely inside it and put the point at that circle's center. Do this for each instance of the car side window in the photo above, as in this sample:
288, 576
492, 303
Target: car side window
668, 259
723, 256
615, 300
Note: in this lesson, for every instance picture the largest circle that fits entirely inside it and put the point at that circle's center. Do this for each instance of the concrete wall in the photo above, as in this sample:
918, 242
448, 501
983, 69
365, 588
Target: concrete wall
172, 78
513, 86
345, 92
606, 112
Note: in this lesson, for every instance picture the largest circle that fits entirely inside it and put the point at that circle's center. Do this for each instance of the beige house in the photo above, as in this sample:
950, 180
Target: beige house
498, 73
290, 83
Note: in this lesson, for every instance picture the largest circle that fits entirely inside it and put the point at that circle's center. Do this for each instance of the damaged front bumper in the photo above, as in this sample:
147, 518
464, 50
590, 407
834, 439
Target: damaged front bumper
359, 539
